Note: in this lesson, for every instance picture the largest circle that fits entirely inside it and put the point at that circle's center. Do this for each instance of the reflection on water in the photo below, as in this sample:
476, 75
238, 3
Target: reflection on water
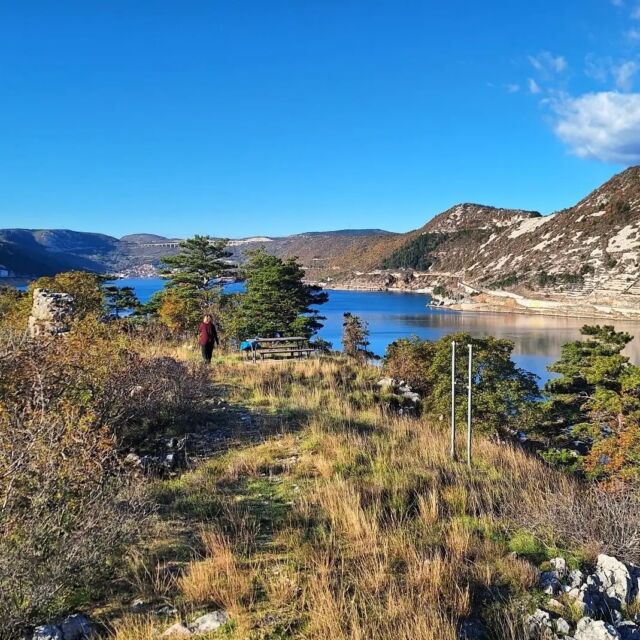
537, 339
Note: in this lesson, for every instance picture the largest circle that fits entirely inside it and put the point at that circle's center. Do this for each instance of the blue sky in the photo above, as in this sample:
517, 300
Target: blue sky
240, 117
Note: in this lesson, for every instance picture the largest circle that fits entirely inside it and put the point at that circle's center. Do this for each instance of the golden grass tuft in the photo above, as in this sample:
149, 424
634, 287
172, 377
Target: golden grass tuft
217, 578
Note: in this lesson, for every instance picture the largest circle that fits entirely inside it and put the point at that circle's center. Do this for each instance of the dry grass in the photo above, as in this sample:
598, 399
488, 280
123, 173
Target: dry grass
137, 627
366, 528
217, 578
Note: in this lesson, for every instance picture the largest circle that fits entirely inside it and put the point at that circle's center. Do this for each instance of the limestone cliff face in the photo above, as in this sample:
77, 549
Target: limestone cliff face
589, 253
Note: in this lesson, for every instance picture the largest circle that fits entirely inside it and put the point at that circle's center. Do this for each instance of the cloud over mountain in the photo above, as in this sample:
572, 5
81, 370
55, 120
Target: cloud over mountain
603, 126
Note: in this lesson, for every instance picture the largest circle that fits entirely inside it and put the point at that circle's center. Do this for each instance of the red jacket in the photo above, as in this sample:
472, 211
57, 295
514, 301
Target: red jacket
207, 334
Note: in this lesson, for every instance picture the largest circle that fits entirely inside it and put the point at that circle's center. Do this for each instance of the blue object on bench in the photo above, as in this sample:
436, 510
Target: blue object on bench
246, 345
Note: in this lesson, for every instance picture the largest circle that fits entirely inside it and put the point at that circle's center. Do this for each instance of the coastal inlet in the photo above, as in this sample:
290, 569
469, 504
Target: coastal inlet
392, 315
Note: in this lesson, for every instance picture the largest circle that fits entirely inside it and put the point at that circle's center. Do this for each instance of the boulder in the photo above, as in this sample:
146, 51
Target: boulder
628, 630
615, 578
411, 396
550, 583
589, 629
47, 632
554, 605
51, 313
74, 627
177, 630
538, 622
562, 627
77, 627
209, 622
589, 598
575, 578
559, 565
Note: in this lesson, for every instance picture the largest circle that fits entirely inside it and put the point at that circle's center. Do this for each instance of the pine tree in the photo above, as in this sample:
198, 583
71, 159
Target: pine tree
119, 299
200, 262
277, 301
595, 401
355, 338
193, 285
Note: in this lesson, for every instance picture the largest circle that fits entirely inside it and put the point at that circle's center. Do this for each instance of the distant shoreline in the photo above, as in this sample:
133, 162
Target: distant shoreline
562, 310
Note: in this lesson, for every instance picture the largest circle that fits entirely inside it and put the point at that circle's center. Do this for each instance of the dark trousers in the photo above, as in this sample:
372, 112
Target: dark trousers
207, 351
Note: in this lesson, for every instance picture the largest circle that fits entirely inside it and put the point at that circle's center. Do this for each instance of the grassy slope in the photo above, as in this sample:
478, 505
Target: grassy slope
340, 521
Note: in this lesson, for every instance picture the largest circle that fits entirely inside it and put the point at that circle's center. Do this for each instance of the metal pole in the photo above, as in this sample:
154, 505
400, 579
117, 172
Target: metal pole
469, 407
453, 400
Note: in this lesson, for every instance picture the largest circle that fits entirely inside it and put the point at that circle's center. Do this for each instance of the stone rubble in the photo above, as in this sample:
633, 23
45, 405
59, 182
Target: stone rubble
204, 624
402, 398
51, 313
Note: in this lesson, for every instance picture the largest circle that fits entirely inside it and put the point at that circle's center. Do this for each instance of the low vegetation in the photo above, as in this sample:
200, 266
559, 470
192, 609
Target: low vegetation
416, 253
68, 508
350, 522
313, 508
504, 394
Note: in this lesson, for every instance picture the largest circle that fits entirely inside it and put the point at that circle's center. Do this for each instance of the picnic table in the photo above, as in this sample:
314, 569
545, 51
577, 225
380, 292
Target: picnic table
294, 346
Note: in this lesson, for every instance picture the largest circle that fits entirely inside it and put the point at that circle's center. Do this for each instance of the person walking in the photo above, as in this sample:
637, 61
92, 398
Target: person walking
207, 337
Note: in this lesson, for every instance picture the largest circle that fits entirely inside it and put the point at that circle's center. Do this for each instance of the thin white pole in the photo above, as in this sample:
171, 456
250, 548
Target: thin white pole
469, 407
453, 400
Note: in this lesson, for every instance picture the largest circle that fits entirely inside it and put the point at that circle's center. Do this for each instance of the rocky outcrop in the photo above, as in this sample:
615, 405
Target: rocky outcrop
171, 456
51, 313
603, 597
618, 580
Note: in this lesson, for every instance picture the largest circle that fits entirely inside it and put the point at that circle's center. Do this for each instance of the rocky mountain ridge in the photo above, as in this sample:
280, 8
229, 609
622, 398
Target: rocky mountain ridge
475, 255
583, 260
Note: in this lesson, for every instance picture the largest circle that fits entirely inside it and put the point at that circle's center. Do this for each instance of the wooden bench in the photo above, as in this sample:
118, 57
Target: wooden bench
295, 347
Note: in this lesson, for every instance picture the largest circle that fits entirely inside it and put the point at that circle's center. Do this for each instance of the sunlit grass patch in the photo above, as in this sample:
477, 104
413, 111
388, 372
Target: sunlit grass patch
349, 522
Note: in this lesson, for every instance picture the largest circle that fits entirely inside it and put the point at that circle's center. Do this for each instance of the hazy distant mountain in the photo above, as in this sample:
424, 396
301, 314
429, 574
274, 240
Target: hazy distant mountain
35, 252
143, 238
49, 251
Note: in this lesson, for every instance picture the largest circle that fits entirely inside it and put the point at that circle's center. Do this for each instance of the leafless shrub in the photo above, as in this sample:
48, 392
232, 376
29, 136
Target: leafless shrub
581, 515
66, 509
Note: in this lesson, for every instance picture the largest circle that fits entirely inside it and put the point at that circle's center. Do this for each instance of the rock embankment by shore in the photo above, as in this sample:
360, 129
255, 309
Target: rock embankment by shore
451, 291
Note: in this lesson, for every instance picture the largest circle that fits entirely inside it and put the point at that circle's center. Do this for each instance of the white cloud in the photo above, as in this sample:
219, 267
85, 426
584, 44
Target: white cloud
548, 64
512, 88
617, 3
603, 126
635, 13
623, 74
605, 70
534, 87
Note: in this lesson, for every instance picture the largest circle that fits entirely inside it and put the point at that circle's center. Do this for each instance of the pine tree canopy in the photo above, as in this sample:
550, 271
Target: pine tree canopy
277, 301
201, 261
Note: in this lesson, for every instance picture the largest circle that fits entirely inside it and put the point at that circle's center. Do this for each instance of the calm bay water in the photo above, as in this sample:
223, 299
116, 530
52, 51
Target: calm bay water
537, 339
